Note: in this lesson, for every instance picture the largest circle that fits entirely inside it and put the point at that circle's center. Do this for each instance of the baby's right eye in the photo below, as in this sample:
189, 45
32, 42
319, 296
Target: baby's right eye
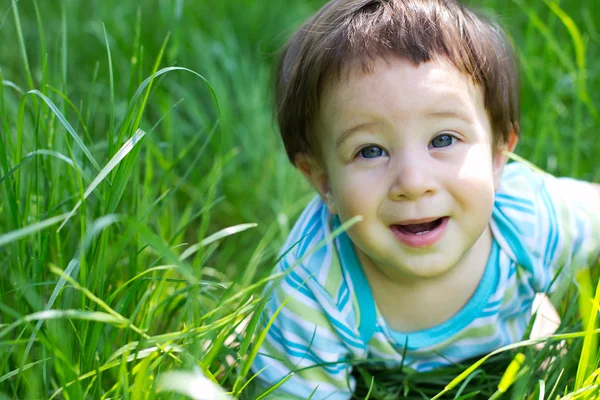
372, 152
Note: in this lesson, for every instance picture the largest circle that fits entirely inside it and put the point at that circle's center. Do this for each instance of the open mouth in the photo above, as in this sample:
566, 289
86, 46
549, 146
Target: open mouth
424, 233
421, 228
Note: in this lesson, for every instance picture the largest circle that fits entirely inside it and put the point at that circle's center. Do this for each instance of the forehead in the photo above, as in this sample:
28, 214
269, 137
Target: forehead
400, 88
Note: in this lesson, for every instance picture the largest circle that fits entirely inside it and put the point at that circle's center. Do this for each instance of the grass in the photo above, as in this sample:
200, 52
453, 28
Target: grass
144, 195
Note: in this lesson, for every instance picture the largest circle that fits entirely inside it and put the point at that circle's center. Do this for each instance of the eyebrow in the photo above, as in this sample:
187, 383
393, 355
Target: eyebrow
350, 131
446, 113
449, 114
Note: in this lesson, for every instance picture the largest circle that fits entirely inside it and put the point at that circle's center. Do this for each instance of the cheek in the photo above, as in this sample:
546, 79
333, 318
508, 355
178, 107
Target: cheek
356, 192
475, 181
477, 165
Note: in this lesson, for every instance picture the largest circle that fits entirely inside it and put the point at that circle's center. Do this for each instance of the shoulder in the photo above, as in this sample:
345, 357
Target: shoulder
539, 203
308, 226
520, 222
516, 213
309, 259
311, 284
306, 245
532, 187
542, 223
520, 181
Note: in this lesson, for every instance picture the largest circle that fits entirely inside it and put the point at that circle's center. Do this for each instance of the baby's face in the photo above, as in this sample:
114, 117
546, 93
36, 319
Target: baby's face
410, 149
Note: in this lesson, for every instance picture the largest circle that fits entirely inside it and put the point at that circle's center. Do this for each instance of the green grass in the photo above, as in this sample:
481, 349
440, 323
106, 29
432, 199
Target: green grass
144, 193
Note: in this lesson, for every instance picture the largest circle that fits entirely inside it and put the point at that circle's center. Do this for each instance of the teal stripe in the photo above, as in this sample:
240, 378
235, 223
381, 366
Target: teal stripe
553, 234
366, 302
511, 235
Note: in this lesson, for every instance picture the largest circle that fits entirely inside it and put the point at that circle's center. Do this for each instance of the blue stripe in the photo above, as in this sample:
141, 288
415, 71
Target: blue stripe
285, 264
502, 331
521, 200
315, 262
428, 366
318, 343
526, 229
551, 226
525, 292
297, 235
299, 284
494, 304
552, 234
345, 295
511, 236
271, 374
505, 202
303, 352
488, 312
347, 334
310, 234
311, 228
512, 270
349, 337
293, 386
364, 296
461, 351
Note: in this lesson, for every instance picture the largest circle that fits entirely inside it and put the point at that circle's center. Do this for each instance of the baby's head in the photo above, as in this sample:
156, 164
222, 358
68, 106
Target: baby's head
399, 111
347, 36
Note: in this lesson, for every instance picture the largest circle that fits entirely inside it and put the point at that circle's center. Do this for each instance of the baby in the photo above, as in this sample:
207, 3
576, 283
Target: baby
402, 112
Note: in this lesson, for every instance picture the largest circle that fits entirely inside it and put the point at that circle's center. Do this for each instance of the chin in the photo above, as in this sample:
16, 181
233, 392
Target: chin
431, 273
432, 265
417, 272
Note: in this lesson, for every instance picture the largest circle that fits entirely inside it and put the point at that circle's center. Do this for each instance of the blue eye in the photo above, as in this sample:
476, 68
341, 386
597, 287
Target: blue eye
442, 141
372, 152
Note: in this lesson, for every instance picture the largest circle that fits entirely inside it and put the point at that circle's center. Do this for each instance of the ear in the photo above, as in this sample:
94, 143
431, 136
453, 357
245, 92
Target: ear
317, 176
500, 157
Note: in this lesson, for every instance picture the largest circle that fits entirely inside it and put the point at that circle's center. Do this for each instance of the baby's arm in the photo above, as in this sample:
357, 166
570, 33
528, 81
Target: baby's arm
577, 204
558, 220
589, 191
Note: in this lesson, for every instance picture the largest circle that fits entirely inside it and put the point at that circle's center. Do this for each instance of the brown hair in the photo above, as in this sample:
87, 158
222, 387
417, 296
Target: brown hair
357, 32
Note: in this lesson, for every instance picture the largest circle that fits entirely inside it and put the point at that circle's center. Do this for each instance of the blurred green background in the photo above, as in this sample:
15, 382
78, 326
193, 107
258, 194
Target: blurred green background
199, 169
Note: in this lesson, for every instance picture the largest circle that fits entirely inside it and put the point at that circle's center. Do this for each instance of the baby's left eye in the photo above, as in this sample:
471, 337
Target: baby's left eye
372, 151
441, 141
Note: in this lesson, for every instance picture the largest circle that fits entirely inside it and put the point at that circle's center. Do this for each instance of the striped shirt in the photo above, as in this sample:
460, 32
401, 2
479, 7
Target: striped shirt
325, 314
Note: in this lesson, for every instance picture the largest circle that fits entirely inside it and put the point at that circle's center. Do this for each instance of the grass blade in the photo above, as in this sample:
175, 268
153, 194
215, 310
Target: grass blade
97, 316
61, 118
117, 158
232, 230
22, 46
19, 370
30, 229
589, 351
111, 87
16, 168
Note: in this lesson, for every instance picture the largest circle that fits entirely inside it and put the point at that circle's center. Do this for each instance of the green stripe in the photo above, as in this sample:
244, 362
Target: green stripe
334, 276
302, 311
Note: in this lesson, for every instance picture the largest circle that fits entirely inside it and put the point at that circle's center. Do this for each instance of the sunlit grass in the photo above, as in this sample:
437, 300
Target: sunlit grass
144, 196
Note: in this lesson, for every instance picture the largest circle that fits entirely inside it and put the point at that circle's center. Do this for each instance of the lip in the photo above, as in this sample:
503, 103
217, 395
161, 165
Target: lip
423, 240
417, 221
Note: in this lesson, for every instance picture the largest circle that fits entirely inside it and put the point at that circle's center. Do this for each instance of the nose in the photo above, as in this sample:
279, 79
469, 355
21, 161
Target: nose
413, 176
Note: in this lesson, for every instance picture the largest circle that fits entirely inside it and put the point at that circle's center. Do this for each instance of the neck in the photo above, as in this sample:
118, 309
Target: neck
393, 291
